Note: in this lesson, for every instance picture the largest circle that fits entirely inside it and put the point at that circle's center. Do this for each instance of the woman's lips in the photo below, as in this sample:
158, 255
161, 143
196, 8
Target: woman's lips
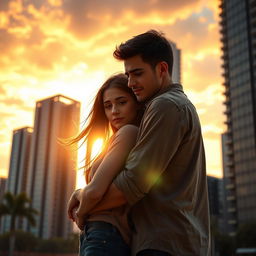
117, 120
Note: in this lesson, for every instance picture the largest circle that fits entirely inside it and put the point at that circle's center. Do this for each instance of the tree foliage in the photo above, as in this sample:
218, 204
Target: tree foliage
17, 206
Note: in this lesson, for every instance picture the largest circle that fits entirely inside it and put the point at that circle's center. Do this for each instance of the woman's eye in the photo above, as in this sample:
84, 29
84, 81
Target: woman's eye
122, 102
107, 106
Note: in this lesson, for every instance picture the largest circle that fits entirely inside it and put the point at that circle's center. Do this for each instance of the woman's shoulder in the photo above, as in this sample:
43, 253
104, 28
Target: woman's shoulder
128, 129
126, 135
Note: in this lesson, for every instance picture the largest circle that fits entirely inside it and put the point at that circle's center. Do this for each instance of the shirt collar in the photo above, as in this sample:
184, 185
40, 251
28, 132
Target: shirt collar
171, 87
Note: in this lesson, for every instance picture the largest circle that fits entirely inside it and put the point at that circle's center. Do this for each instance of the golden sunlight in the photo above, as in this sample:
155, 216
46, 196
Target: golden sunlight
97, 147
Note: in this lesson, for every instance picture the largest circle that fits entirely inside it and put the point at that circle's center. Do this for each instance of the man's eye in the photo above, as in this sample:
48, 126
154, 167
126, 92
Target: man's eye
138, 73
122, 102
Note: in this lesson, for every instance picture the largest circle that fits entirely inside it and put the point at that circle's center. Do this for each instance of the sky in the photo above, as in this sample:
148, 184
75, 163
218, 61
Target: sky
50, 47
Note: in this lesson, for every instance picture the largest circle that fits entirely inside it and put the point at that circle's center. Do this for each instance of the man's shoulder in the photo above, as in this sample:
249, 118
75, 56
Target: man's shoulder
174, 96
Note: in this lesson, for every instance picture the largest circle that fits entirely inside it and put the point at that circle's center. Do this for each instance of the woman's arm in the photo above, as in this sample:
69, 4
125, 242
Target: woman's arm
110, 166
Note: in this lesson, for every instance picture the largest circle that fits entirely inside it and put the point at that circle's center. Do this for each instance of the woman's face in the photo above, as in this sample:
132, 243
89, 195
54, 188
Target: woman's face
120, 107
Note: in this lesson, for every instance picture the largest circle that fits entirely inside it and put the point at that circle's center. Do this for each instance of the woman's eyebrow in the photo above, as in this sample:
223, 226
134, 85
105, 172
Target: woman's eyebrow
117, 98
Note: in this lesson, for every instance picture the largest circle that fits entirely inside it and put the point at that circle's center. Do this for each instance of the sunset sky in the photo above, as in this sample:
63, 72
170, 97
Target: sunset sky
50, 47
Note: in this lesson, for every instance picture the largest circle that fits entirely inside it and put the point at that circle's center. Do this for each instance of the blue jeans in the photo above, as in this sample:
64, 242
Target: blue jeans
102, 239
152, 253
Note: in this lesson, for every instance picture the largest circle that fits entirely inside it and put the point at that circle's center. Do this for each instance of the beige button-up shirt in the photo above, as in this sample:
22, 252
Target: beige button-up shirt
164, 179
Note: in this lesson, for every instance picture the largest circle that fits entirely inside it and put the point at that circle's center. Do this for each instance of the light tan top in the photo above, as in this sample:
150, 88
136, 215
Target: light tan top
164, 179
122, 141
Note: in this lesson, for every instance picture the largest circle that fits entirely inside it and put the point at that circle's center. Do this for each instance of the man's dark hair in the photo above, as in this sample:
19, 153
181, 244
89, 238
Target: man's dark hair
152, 46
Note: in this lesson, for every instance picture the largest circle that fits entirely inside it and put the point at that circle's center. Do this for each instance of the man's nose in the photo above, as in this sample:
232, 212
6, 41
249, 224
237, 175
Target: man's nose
131, 82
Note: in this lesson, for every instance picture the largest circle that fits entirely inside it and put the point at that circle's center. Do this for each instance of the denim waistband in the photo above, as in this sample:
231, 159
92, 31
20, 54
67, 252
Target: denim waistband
100, 225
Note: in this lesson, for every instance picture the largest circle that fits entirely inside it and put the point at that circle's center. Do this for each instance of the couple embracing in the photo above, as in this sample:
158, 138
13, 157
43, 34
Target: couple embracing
147, 189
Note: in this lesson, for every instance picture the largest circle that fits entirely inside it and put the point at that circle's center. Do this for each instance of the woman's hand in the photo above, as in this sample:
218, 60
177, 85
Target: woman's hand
88, 198
73, 204
80, 213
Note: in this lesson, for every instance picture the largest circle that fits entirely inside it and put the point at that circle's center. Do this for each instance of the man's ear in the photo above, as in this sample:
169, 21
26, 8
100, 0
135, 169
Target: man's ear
162, 68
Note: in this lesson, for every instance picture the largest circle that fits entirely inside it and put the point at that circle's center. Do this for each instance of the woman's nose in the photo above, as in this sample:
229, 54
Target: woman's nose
115, 109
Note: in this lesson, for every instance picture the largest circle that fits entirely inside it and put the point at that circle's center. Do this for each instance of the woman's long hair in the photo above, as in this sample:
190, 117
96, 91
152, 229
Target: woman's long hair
97, 122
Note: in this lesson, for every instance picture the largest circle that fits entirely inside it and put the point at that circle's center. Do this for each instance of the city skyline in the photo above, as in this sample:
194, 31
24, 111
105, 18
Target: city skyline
44, 168
62, 48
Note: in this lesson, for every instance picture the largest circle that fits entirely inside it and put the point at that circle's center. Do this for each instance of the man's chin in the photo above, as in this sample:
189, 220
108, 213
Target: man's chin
140, 98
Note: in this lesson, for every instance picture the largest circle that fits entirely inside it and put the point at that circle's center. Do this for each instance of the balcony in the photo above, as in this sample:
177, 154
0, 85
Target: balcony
230, 164
232, 210
230, 152
229, 141
230, 186
231, 198
227, 112
227, 122
232, 222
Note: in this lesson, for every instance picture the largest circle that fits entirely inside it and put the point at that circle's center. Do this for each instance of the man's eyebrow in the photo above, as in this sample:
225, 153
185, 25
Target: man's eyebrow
133, 70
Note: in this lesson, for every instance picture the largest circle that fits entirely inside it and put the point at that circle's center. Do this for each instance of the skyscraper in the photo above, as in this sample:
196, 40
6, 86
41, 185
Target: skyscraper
52, 167
18, 168
2, 187
176, 74
2, 191
238, 37
216, 197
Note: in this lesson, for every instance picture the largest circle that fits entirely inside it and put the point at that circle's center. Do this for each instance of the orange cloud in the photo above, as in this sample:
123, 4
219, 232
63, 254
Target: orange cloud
5, 115
200, 73
86, 16
64, 46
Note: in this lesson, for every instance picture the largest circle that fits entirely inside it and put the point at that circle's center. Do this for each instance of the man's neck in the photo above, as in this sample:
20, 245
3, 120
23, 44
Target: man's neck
167, 82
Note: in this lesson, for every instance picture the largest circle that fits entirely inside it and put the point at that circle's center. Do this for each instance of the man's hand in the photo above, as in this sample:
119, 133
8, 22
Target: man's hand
73, 204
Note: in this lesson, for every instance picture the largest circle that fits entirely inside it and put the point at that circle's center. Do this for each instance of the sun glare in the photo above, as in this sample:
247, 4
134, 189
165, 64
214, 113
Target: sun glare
97, 147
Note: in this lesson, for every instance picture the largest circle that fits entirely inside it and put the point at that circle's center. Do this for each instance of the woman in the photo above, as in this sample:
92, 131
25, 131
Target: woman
115, 110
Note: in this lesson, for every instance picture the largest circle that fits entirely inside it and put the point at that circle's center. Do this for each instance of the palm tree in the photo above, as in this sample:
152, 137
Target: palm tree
16, 206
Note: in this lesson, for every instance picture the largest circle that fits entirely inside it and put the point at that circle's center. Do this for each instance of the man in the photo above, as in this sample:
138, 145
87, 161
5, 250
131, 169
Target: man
164, 179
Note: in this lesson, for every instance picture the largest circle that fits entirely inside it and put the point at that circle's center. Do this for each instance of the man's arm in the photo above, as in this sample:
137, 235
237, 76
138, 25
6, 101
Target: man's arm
112, 199
160, 137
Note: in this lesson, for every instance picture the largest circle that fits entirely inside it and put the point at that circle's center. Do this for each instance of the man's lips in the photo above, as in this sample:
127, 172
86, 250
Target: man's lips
137, 90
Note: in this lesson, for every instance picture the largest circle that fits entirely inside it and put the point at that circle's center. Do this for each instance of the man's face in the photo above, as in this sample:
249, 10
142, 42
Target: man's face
142, 78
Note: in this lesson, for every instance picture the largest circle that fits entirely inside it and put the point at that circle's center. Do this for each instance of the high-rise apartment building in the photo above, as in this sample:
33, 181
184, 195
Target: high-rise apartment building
52, 166
2, 191
176, 72
2, 187
238, 37
216, 201
18, 168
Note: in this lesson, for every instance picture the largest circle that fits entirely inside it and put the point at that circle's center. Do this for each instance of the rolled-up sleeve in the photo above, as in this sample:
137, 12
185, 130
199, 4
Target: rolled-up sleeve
160, 135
